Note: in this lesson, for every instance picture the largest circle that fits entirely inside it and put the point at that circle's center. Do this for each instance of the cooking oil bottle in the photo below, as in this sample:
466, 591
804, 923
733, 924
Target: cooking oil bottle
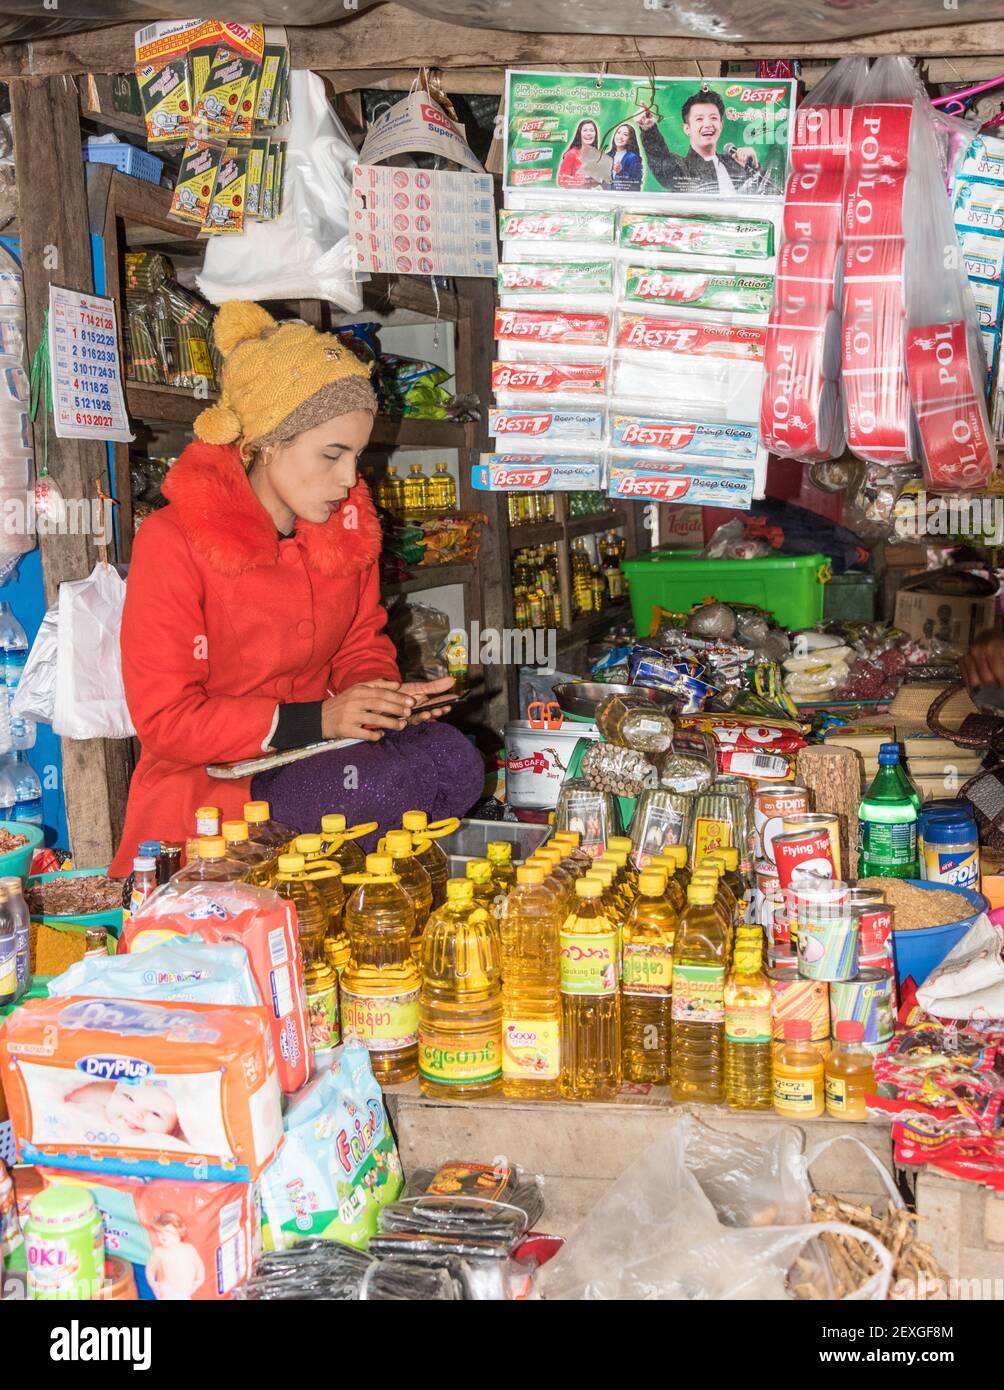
727, 861
799, 1073
621, 844
414, 880
263, 830
697, 1042
212, 864
431, 856
339, 843
674, 888
259, 859
479, 875
460, 1006
380, 986
499, 856
590, 1003
613, 901
614, 860
647, 981
710, 873
850, 1073
442, 489
390, 492
559, 887
207, 827
320, 981
416, 493
531, 998
679, 853
553, 857
748, 1035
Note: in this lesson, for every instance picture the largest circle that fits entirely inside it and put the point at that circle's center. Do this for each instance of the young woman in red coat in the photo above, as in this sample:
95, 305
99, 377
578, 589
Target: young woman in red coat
252, 619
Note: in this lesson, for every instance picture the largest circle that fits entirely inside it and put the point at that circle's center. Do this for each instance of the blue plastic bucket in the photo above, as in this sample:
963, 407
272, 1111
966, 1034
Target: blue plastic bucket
918, 952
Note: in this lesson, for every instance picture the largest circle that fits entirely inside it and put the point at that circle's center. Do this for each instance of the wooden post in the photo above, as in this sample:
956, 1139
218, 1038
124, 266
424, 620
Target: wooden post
55, 246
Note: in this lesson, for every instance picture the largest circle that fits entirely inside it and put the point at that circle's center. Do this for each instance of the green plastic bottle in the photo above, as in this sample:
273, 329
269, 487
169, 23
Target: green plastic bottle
888, 816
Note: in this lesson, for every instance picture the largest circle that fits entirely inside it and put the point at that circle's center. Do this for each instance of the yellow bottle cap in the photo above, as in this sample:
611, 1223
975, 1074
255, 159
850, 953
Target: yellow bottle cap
332, 824
619, 856
588, 887
620, 842
308, 844
665, 863
731, 857
651, 883
679, 853
603, 872
398, 843
379, 864
414, 820
457, 889
571, 837
552, 855
701, 893
255, 812
212, 847
235, 830
529, 873
478, 871
291, 863
499, 851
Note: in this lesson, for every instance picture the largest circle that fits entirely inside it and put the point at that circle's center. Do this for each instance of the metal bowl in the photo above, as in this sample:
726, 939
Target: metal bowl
583, 698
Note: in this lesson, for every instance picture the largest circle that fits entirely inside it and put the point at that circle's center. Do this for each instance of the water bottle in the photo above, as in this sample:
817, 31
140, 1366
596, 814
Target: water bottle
27, 789
8, 796
14, 651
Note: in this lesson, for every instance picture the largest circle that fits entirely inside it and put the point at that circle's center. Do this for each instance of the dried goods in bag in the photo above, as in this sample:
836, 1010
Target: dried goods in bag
620, 771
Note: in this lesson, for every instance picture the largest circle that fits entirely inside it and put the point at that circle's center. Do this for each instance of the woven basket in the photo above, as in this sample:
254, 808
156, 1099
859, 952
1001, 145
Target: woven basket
913, 702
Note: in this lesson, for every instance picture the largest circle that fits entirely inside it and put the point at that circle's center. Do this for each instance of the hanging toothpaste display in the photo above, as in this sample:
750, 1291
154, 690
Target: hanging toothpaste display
556, 224
699, 234
684, 438
528, 426
536, 473
696, 483
551, 326
533, 278
699, 289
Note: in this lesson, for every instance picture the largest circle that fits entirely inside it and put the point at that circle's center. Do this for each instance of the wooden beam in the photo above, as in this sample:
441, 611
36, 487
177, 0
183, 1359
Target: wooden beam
55, 246
390, 36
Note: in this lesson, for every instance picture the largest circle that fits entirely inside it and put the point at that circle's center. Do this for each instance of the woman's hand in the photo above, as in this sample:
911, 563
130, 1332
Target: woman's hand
427, 690
983, 664
366, 710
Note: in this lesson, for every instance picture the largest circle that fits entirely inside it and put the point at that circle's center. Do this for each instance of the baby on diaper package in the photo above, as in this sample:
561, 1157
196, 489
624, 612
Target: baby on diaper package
178, 971
185, 1240
339, 1164
142, 1088
242, 915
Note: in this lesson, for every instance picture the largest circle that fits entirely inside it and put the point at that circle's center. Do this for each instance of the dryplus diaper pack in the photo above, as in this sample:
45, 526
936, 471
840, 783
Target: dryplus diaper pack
186, 1240
339, 1164
142, 1088
180, 971
265, 925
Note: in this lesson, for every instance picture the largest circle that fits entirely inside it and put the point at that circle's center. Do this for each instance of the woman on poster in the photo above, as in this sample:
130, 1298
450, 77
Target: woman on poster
584, 165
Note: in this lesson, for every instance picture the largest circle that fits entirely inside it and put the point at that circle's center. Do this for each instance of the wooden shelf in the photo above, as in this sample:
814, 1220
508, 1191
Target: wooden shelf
431, 577
408, 433
406, 292
590, 625
535, 533
176, 405
589, 525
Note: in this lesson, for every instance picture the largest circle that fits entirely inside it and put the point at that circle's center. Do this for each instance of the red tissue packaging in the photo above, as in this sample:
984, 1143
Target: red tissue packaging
265, 925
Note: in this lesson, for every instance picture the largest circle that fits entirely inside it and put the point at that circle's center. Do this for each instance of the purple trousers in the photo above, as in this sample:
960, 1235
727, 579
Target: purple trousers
430, 767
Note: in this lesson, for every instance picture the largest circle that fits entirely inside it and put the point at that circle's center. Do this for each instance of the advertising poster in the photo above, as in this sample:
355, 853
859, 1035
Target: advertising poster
689, 136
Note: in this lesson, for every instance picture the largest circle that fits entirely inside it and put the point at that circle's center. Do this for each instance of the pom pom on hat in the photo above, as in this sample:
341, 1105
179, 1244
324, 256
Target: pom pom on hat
239, 321
217, 425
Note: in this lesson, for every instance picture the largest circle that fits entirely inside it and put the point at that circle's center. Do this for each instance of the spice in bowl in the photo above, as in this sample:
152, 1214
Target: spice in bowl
9, 842
74, 897
917, 907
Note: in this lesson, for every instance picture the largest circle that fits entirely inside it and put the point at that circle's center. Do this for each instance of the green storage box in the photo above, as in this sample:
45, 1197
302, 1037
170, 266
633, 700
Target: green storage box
850, 597
788, 586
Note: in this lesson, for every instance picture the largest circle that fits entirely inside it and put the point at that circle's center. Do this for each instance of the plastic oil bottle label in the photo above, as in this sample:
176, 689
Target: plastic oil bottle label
647, 969
588, 962
459, 1066
385, 1023
698, 993
531, 1051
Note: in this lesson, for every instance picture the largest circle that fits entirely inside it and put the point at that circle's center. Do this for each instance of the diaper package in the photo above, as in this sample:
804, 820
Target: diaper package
183, 971
339, 1164
142, 1088
185, 1240
265, 925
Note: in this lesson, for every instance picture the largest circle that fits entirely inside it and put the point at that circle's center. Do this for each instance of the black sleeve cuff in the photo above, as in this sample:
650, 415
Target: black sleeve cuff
298, 725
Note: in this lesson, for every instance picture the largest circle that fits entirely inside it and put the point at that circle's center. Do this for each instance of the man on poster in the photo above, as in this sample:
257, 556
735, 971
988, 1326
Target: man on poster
703, 169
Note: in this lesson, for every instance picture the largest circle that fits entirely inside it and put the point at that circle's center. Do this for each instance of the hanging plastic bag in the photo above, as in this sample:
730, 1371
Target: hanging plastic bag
702, 1215
304, 252
35, 697
90, 699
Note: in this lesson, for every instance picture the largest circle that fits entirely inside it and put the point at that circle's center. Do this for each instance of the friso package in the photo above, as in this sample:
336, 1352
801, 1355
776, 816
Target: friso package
185, 1240
179, 972
155, 1090
339, 1164
239, 914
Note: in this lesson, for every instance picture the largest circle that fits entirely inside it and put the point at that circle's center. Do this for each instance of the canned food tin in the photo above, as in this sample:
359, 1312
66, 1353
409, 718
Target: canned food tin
772, 801
818, 821
866, 999
793, 997
875, 918
827, 947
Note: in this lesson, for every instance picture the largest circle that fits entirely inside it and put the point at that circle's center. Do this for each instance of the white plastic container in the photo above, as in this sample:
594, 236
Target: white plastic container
537, 760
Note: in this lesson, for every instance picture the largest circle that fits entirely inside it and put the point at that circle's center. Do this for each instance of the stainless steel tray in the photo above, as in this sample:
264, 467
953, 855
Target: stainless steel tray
470, 840
585, 697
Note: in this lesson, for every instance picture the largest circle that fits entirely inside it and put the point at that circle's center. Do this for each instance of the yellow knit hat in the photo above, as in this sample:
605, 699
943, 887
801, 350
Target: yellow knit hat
279, 379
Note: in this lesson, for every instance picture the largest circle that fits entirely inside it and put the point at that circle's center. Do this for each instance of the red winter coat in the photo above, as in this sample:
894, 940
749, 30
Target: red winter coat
223, 621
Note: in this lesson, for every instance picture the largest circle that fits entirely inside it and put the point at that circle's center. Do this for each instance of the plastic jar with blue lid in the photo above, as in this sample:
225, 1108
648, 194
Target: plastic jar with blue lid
951, 852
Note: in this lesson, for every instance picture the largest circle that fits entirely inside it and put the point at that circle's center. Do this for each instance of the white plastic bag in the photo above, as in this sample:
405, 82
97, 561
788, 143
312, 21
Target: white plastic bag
702, 1215
90, 700
304, 253
35, 697
969, 982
